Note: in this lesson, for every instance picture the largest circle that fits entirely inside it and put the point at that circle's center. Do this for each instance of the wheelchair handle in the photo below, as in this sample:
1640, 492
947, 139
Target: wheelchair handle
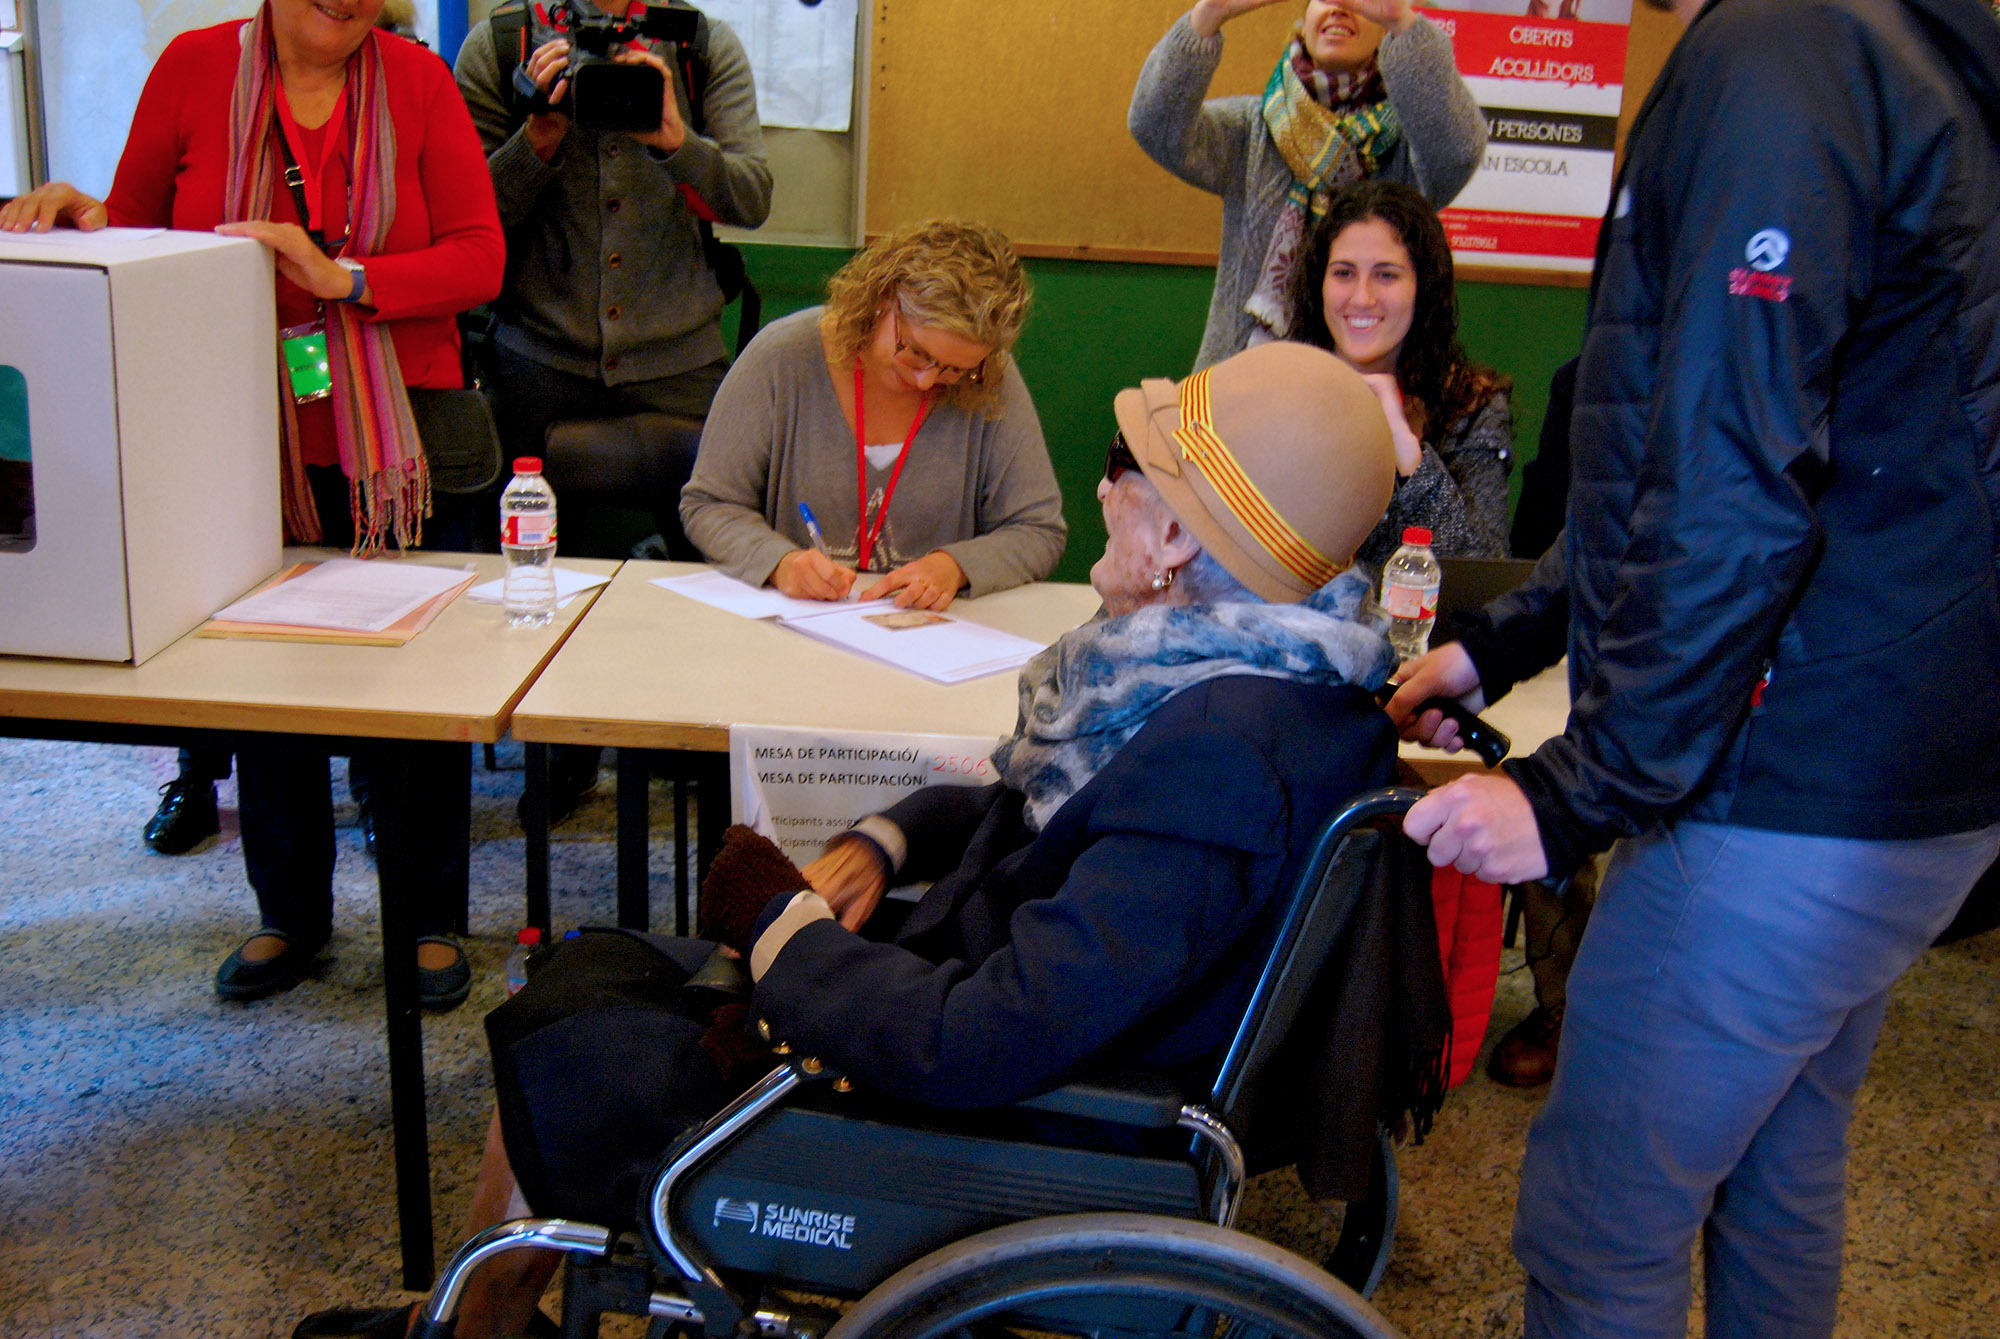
1479, 736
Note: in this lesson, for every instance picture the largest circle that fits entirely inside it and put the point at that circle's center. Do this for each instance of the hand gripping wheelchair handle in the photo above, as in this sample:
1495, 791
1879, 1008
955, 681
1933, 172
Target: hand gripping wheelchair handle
1478, 735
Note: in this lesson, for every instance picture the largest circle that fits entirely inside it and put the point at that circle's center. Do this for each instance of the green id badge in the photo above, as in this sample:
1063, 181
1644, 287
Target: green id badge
306, 361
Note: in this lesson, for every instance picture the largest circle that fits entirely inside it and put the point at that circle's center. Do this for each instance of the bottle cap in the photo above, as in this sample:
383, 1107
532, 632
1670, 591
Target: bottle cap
1416, 534
530, 935
527, 464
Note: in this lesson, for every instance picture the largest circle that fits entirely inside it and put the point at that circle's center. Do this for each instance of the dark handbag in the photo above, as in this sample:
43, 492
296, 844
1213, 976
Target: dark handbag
461, 442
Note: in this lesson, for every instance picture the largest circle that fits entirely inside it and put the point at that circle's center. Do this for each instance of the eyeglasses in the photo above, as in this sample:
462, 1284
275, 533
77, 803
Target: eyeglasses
913, 356
1119, 458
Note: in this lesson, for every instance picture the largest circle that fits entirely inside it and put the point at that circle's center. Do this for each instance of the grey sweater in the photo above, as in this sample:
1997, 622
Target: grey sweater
1222, 146
981, 489
1458, 493
605, 273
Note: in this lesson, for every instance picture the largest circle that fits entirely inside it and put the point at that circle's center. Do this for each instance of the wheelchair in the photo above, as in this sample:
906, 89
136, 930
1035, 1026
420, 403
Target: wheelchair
805, 1192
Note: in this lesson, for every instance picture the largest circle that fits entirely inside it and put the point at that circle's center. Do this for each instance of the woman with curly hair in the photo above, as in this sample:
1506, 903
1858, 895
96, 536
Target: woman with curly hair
893, 416
1375, 286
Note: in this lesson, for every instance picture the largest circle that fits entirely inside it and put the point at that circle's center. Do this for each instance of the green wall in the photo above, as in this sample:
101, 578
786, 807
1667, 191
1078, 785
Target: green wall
1098, 327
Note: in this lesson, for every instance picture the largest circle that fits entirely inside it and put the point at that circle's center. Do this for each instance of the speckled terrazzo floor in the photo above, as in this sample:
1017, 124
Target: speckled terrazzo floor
170, 1165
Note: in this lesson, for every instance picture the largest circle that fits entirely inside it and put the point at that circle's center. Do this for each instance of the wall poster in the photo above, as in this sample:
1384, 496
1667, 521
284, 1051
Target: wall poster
1549, 74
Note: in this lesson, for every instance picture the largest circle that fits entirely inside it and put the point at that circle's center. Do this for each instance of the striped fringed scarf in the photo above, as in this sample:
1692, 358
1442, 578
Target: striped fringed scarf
1332, 131
389, 488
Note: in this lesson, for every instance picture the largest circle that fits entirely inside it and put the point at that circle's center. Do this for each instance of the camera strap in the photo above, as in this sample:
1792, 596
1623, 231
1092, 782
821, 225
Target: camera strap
306, 179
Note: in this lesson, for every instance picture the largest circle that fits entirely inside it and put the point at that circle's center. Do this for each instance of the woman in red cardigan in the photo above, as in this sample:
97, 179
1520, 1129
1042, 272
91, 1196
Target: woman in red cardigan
390, 231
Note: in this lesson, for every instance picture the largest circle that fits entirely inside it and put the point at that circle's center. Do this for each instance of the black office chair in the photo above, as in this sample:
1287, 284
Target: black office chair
643, 460
633, 461
1099, 1209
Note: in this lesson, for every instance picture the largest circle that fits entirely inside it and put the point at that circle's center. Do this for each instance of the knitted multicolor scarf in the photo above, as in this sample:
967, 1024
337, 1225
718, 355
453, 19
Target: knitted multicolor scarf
1332, 130
389, 488
1096, 687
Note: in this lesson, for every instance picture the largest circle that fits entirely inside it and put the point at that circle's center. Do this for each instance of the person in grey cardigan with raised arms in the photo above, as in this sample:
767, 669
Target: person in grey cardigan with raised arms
1367, 88
894, 417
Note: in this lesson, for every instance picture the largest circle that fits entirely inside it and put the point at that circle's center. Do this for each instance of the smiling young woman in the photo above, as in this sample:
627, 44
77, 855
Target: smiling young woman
1374, 284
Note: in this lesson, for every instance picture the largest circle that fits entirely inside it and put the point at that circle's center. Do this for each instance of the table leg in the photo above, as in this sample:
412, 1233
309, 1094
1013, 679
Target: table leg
404, 782
535, 823
634, 839
682, 924
711, 797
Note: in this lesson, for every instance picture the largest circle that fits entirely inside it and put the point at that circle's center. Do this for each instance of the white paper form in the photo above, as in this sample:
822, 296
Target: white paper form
740, 597
802, 58
940, 647
569, 585
346, 593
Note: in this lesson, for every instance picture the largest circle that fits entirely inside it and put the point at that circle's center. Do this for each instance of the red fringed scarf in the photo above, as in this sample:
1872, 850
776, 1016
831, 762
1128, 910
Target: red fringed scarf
389, 488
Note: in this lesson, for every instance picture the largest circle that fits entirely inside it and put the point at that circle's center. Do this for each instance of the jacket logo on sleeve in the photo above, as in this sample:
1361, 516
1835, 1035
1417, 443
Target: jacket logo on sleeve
1766, 251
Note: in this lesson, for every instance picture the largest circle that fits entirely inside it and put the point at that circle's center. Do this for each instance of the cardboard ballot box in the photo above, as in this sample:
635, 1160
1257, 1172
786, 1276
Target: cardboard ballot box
139, 446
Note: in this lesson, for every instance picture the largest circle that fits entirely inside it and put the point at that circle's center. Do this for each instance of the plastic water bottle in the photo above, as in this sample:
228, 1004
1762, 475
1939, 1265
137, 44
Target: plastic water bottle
528, 538
526, 944
1410, 594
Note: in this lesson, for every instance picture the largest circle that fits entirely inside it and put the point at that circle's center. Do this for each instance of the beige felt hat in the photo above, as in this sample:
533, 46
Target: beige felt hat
1278, 459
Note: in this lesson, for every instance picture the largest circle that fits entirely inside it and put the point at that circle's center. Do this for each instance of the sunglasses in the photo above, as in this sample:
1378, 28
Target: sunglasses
1119, 458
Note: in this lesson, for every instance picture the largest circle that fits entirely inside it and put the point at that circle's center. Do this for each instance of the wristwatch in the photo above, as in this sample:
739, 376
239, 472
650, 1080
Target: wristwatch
353, 267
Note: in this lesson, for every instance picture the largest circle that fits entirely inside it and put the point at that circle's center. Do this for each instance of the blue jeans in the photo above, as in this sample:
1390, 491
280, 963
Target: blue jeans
1721, 1017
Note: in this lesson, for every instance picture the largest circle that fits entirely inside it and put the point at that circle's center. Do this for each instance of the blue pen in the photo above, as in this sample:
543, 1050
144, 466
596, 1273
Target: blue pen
812, 528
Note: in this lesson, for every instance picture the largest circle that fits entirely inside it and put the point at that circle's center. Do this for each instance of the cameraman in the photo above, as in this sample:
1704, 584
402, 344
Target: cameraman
610, 306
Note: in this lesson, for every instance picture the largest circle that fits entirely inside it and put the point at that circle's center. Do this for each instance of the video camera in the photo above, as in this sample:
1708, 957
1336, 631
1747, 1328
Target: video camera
605, 94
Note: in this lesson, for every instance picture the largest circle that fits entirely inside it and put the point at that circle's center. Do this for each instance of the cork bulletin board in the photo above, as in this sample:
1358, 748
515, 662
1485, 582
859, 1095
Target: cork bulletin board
1013, 112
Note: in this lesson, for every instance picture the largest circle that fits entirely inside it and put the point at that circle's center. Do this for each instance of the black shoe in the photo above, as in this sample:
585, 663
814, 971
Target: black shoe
1526, 1056
356, 1322
240, 979
185, 818
443, 987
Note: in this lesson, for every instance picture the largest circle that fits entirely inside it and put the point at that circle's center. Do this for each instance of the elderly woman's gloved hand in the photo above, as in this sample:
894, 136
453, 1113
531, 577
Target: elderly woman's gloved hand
748, 872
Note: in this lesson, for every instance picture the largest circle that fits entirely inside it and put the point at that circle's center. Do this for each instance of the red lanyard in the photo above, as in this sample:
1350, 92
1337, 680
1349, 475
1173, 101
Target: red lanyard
312, 173
865, 534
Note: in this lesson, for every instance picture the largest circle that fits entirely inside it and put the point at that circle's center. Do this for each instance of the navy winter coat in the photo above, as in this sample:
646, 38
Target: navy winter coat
1778, 577
1125, 933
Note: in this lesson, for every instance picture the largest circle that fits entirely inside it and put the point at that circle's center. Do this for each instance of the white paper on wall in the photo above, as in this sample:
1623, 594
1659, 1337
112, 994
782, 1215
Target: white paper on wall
801, 55
800, 786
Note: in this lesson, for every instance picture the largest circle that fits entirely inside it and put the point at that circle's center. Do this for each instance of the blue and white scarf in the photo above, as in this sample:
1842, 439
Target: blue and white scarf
1091, 691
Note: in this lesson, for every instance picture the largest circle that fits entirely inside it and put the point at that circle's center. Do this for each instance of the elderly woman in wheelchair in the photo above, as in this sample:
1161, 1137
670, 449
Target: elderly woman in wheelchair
1142, 895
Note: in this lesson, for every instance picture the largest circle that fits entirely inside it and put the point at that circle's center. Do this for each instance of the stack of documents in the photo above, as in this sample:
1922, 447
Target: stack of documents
375, 603
941, 647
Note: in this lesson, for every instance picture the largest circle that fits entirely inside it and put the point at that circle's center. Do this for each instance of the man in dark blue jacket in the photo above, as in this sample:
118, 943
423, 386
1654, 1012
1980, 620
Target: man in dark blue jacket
1779, 596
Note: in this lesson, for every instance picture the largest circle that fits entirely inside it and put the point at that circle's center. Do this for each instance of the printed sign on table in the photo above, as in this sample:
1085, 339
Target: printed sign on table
801, 787
1549, 75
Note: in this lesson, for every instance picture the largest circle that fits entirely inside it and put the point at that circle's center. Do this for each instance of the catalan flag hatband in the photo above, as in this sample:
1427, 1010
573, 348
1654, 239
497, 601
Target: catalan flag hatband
1203, 447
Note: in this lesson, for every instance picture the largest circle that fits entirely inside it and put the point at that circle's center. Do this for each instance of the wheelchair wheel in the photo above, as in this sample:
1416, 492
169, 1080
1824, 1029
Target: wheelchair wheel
1112, 1276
